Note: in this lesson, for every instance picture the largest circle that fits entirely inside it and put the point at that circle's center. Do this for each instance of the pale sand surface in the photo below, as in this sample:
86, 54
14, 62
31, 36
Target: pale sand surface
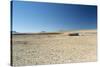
54, 49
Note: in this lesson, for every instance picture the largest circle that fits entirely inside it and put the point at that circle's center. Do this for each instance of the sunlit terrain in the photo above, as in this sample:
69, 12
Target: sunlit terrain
54, 48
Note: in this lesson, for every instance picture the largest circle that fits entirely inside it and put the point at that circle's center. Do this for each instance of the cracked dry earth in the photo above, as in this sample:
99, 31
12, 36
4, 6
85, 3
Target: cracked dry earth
52, 49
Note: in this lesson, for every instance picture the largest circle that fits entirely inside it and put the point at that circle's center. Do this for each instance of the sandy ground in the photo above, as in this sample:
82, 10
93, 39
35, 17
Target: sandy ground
54, 49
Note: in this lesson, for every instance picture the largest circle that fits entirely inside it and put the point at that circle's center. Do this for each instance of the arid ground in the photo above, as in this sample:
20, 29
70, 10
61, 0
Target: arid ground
48, 48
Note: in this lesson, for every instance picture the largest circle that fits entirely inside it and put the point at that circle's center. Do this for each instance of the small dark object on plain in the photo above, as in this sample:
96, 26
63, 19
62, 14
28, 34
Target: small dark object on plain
74, 34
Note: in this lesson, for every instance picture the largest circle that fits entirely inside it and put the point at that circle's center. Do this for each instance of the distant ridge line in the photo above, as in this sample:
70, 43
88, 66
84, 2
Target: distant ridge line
37, 33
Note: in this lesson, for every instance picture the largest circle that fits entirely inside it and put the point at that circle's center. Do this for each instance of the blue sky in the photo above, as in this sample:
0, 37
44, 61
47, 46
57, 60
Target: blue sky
52, 17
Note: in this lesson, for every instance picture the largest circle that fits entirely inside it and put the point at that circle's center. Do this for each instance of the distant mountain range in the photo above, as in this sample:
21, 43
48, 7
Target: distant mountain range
14, 32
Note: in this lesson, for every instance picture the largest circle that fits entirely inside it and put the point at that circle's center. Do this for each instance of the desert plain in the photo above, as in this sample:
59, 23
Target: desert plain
54, 48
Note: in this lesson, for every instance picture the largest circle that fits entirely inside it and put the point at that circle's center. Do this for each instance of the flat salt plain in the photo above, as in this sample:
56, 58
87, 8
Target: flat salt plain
35, 49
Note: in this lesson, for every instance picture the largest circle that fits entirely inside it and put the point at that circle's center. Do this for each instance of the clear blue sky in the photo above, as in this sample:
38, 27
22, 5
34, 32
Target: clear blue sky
50, 17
